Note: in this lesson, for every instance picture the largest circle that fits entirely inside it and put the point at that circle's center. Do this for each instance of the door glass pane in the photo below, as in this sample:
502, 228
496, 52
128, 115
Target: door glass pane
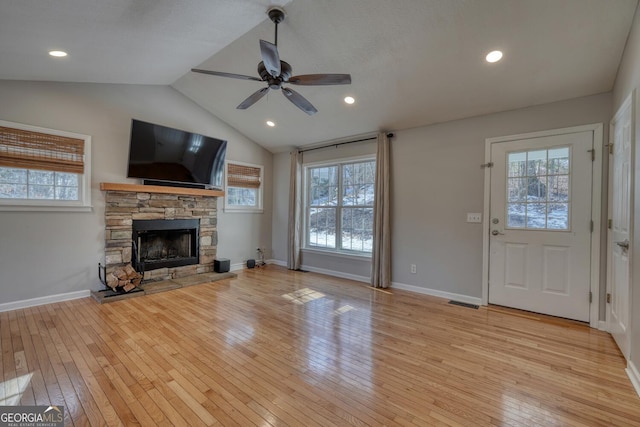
559, 161
516, 215
517, 189
558, 188
558, 216
536, 215
537, 163
538, 189
517, 164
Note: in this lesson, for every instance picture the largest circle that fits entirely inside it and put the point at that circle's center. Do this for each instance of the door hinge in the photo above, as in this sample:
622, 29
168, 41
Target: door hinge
608, 298
591, 226
593, 155
486, 165
590, 297
609, 224
611, 148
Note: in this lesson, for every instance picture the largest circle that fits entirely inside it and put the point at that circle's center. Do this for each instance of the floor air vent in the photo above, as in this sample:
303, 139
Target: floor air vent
463, 304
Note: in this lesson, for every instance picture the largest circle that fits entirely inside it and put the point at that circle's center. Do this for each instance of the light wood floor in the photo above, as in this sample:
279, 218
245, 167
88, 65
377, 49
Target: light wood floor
275, 347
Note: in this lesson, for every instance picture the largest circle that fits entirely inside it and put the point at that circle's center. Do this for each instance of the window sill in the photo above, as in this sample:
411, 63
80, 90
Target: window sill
229, 210
43, 208
346, 255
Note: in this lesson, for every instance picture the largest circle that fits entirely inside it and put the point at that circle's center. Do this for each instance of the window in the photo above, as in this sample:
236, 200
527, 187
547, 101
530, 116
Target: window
43, 169
339, 211
244, 187
538, 190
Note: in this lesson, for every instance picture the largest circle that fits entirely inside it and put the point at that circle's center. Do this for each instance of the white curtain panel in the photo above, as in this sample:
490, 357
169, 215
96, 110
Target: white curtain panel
295, 211
381, 257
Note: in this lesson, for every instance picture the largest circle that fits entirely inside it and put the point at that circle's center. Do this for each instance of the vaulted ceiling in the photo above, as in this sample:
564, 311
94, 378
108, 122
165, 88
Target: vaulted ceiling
412, 62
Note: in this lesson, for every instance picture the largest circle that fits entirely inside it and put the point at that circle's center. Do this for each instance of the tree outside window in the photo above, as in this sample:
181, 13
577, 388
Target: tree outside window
340, 206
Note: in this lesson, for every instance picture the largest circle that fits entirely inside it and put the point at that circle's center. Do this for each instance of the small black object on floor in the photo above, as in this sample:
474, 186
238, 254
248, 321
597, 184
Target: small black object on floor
463, 304
301, 270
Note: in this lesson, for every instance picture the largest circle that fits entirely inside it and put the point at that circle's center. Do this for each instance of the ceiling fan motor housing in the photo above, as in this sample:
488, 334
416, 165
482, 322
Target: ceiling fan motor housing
275, 82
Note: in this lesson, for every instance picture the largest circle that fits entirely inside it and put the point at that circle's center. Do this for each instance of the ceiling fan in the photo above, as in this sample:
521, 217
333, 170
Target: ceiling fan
275, 73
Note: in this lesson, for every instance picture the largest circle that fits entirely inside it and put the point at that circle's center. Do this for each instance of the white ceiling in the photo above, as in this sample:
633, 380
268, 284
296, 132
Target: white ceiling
412, 62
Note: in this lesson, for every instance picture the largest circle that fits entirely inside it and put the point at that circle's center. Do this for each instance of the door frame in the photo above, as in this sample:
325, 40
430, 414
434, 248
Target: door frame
596, 208
629, 103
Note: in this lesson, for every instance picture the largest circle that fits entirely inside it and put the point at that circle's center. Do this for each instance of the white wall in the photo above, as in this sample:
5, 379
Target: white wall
436, 179
46, 253
627, 80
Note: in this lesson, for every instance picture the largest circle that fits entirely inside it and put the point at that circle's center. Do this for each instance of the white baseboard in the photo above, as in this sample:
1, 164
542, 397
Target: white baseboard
16, 305
236, 267
437, 293
277, 262
634, 376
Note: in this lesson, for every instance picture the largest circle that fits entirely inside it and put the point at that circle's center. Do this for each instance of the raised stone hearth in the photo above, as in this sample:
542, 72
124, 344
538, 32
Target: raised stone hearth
122, 207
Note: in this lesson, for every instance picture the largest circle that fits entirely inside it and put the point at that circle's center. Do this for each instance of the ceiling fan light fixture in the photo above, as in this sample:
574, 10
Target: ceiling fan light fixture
494, 56
58, 53
270, 123
349, 100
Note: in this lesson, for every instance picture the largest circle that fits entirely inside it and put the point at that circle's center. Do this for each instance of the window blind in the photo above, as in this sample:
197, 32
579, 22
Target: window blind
36, 150
243, 176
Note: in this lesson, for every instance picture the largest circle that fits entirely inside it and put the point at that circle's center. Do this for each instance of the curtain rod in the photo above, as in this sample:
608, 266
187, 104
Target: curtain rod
389, 135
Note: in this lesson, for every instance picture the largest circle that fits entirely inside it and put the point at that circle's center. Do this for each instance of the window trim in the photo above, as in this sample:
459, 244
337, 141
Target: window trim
305, 222
244, 209
84, 181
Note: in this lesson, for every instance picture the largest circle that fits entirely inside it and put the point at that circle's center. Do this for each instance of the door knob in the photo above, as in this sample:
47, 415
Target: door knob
496, 232
624, 245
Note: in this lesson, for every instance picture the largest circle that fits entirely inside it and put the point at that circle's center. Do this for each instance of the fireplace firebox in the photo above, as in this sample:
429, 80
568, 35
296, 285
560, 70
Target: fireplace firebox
165, 243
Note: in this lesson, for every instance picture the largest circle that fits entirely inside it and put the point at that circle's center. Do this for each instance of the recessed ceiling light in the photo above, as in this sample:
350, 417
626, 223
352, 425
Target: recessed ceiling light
58, 53
270, 123
349, 99
494, 56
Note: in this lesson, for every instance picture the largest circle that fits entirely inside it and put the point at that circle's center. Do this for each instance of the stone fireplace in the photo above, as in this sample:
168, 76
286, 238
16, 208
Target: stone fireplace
177, 232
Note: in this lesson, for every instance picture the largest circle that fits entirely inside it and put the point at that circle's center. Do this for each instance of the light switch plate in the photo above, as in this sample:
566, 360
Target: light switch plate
474, 217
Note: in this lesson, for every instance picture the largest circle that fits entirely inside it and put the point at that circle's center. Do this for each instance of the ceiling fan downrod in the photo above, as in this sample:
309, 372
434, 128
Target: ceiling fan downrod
276, 14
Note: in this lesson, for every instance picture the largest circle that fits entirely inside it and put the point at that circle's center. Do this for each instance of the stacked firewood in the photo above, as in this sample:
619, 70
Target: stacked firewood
125, 278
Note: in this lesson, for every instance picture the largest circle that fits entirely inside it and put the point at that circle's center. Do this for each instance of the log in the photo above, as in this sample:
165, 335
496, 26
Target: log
126, 278
112, 281
130, 271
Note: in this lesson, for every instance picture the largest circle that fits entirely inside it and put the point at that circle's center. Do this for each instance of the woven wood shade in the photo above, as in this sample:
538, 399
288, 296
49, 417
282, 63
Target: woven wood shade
243, 176
35, 150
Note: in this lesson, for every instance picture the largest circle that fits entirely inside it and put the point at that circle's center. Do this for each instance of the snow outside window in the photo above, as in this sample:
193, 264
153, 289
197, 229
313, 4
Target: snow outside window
244, 187
339, 208
43, 169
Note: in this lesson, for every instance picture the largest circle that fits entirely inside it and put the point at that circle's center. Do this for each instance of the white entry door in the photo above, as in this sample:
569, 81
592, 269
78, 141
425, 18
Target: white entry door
540, 224
618, 242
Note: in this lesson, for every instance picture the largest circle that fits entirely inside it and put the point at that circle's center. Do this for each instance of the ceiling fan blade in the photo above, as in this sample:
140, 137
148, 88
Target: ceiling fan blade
299, 101
320, 79
270, 57
221, 74
253, 98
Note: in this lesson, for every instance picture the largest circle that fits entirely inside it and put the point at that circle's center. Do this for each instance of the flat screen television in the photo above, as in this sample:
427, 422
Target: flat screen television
163, 155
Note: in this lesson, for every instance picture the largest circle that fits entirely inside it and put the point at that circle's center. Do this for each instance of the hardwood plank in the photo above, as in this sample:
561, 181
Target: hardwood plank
276, 347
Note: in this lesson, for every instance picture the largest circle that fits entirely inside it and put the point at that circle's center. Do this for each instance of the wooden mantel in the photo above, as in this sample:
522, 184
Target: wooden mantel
136, 188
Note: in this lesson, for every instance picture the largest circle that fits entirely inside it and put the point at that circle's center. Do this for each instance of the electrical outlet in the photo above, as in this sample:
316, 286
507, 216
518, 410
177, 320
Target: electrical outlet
474, 217
413, 269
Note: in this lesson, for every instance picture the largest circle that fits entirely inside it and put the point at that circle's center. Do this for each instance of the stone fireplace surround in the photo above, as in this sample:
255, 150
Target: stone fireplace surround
124, 203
